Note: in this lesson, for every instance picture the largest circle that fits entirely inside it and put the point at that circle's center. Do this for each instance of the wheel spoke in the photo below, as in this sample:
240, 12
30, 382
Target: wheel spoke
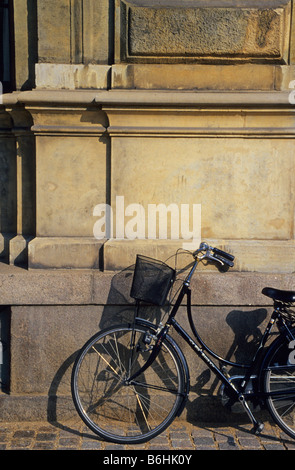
107, 363
142, 410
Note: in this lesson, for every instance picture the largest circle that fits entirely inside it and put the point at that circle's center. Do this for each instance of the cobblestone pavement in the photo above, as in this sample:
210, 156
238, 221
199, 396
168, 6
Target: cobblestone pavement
180, 436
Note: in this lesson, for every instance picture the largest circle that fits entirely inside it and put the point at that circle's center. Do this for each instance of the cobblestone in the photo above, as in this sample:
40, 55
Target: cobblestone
180, 436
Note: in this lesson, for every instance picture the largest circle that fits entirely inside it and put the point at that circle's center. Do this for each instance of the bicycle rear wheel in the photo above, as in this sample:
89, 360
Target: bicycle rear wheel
279, 380
111, 408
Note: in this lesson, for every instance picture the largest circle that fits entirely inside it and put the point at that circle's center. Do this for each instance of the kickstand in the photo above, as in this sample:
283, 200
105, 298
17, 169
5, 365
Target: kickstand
257, 426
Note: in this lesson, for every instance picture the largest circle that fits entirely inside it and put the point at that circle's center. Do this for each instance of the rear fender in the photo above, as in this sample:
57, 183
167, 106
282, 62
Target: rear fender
270, 351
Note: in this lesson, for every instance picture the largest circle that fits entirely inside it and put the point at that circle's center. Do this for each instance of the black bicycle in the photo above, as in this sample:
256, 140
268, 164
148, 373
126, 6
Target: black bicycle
130, 381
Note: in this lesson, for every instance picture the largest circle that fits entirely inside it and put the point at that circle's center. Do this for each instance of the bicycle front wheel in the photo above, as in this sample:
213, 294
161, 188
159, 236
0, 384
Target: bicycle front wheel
111, 408
279, 383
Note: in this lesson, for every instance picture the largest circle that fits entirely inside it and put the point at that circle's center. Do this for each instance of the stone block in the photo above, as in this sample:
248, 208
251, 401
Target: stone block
71, 77
98, 30
245, 77
43, 346
93, 287
265, 256
75, 32
54, 32
8, 179
50, 287
198, 33
5, 239
25, 43
18, 250
71, 181
65, 253
45, 340
193, 77
71, 177
226, 176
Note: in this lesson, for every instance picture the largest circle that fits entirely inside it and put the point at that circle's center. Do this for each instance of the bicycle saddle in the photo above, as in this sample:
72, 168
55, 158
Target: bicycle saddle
280, 295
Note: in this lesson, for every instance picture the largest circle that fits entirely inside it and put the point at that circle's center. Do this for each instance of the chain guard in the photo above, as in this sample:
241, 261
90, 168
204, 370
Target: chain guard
237, 407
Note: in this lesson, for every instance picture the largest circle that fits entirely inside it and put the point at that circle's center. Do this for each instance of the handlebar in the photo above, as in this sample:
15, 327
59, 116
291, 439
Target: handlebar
214, 254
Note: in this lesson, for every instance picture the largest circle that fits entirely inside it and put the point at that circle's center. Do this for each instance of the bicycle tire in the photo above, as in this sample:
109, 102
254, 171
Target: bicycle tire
279, 377
123, 413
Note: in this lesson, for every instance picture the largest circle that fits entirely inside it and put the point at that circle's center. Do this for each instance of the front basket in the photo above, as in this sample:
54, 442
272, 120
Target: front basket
152, 280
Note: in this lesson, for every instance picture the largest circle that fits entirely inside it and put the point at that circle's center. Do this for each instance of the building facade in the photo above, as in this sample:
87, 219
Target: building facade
132, 104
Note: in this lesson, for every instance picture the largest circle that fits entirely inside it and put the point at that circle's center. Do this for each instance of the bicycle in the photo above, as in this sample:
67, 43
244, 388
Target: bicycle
129, 382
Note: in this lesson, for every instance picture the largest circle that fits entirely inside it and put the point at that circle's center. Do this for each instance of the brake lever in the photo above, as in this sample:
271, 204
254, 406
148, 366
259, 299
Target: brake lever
214, 254
222, 260
224, 263
214, 258
207, 255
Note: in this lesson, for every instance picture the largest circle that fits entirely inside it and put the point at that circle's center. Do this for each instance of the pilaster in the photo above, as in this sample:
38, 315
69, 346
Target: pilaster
71, 179
8, 186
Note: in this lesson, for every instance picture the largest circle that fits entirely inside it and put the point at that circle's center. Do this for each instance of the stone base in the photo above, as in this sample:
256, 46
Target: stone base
263, 256
72, 76
63, 253
18, 250
5, 239
205, 409
53, 313
35, 408
202, 77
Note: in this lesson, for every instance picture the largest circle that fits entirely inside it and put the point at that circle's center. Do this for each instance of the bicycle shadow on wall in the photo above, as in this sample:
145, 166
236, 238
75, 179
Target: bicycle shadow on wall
207, 407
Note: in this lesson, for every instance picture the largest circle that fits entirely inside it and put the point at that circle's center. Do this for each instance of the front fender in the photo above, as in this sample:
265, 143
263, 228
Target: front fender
152, 326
